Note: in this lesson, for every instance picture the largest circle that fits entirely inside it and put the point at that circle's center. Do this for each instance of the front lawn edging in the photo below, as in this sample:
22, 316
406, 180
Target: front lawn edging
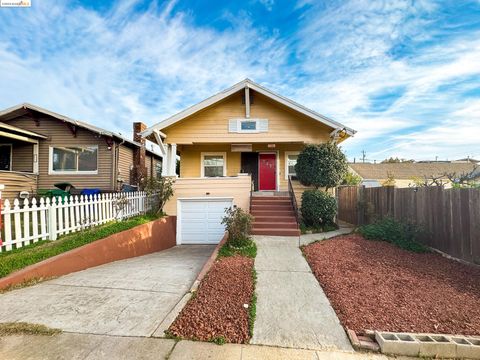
140, 240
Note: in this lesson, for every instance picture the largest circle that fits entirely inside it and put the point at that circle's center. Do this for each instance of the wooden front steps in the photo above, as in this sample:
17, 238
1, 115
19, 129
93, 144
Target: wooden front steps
274, 215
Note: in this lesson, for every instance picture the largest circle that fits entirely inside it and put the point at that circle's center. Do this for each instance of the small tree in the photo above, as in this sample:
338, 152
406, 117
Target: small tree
351, 179
323, 165
162, 187
390, 180
238, 224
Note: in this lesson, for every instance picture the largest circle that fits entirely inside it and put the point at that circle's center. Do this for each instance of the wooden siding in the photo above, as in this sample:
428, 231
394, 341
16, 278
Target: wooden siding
236, 187
211, 124
22, 159
125, 162
190, 158
15, 182
60, 135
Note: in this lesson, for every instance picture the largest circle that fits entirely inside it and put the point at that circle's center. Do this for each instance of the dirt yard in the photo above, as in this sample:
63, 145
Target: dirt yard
217, 311
374, 285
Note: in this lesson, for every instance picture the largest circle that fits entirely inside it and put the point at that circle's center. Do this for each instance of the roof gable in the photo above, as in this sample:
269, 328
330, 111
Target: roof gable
246, 84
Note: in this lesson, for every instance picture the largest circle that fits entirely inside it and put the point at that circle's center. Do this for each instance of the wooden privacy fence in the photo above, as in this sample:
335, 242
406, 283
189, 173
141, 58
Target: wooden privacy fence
28, 221
450, 217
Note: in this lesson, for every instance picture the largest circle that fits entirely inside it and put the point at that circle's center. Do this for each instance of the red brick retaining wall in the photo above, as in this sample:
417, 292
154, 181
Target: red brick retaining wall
141, 240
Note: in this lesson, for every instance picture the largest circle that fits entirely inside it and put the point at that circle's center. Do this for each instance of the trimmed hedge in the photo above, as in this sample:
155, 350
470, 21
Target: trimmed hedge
318, 208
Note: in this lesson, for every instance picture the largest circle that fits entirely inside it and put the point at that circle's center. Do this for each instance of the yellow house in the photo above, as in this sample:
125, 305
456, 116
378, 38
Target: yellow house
242, 141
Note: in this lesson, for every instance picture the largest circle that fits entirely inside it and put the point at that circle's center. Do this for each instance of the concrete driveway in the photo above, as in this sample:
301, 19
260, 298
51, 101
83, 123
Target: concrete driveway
127, 298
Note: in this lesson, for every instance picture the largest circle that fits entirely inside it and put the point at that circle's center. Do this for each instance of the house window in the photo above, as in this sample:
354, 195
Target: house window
248, 125
290, 162
158, 169
6, 157
73, 159
214, 164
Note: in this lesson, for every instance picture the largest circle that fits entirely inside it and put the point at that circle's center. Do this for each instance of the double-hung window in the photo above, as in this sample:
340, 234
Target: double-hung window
81, 159
290, 162
214, 164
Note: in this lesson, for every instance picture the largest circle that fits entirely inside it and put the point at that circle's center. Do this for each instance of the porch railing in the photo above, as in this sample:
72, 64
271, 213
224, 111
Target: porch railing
293, 199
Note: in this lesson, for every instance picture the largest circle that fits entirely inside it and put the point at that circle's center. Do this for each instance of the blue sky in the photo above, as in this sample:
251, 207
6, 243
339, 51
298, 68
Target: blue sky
405, 74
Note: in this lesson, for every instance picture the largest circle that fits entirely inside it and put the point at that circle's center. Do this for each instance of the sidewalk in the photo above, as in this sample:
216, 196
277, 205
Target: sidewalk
70, 346
292, 309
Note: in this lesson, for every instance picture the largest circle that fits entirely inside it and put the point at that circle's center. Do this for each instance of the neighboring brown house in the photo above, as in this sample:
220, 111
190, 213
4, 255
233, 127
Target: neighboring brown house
39, 148
409, 174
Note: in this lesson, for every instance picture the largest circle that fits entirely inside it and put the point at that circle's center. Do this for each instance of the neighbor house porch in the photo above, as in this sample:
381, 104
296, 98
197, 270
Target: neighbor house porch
18, 160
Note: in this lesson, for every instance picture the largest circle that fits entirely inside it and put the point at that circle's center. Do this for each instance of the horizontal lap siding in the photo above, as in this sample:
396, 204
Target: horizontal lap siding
238, 188
16, 182
125, 162
211, 125
59, 135
22, 159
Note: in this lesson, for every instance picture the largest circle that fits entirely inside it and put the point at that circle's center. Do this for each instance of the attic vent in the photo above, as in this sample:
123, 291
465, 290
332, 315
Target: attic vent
247, 125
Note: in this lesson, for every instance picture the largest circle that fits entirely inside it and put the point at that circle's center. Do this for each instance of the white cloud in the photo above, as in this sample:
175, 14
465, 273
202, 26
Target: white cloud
121, 66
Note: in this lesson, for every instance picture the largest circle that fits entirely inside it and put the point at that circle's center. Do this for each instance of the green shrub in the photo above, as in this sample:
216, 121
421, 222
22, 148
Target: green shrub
238, 224
323, 165
402, 234
318, 208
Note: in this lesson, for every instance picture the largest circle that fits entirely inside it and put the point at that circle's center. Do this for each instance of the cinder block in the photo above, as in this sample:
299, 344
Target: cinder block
398, 344
467, 347
441, 347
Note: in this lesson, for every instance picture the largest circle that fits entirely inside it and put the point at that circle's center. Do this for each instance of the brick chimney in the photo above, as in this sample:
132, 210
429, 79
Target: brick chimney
139, 169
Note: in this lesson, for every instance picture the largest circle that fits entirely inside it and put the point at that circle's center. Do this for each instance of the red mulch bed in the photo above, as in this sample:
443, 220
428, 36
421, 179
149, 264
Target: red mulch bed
217, 309
374, 285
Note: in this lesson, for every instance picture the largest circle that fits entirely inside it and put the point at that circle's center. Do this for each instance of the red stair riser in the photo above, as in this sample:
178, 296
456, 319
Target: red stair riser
273, 225
273, 212
271, 207
276, 232
254, 198
275, 219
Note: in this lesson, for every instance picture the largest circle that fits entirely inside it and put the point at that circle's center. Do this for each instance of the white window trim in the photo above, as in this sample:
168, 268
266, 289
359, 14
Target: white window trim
239, 126
255, 120
54, 172
11, 155
286, 161
202, 158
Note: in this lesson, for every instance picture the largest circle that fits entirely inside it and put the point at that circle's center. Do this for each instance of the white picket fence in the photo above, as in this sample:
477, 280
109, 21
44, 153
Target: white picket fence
29, 221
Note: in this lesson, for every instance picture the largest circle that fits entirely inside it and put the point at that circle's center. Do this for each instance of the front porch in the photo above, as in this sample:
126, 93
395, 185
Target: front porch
18, 160
268, 164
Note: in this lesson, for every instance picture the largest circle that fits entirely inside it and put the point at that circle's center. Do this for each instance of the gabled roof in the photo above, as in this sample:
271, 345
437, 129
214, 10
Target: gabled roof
407, 171
22, 109
238, 87
14, 129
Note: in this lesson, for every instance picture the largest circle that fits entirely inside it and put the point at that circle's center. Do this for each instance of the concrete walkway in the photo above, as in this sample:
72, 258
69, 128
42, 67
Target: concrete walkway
99, 347
292, 309
129, 298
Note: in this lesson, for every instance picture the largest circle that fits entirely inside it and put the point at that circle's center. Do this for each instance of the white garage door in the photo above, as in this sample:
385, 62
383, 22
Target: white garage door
199, 220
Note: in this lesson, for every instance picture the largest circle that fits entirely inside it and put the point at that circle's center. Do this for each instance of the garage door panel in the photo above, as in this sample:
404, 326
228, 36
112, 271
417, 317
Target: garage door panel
201, 221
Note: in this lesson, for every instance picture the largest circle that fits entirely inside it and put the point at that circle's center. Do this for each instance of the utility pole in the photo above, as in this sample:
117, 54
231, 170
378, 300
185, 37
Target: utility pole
364, 156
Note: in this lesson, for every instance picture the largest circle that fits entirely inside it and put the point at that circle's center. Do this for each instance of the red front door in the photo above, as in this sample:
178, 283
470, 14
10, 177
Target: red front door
267, 172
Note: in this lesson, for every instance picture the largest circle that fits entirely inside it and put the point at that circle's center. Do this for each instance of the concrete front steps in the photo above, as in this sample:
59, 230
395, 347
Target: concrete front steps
274, 215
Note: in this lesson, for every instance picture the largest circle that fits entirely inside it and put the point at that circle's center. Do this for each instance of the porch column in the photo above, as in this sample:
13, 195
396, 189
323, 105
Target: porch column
173, 159
166, 161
